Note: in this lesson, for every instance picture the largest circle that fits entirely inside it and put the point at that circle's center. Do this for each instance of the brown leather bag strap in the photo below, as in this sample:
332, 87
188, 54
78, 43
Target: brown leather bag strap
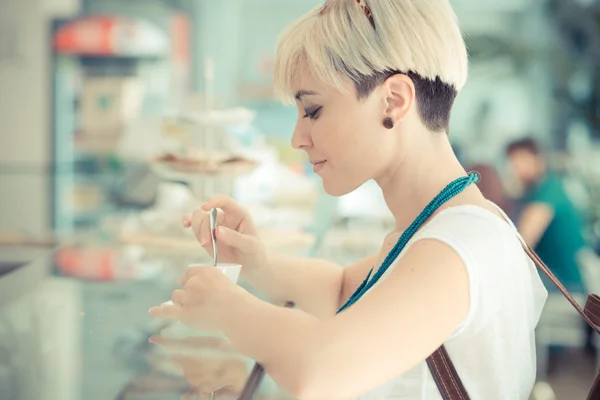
445, 376
592, 308
591, 313
443, 371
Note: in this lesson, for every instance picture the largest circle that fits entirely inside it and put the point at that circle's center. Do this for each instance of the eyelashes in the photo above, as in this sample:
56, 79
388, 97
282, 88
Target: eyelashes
312, 113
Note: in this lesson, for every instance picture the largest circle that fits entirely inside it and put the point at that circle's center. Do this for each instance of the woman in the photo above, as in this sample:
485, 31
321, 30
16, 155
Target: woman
374, 84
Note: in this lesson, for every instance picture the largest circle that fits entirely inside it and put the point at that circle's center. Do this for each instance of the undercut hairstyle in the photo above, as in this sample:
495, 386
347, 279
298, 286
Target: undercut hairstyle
369, 41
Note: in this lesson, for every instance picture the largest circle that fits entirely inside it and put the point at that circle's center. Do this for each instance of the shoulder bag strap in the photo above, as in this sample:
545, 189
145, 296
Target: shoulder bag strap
444, 374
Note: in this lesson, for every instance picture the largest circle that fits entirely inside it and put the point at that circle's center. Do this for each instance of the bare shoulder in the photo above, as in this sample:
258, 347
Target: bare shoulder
431, 279
422, 301
431, 258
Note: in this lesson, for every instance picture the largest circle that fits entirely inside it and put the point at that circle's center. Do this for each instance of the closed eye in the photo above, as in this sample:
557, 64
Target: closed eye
312, 113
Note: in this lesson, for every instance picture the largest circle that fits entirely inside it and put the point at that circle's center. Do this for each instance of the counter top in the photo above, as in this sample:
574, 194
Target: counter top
64, 338
20, 267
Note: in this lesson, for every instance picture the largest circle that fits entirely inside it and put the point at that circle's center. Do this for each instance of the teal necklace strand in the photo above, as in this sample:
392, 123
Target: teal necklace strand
453, 189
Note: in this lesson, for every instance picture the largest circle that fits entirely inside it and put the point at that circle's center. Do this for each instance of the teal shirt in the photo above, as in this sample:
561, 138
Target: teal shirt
564, 236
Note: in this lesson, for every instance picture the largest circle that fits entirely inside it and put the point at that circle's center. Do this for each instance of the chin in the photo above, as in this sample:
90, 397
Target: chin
338, 188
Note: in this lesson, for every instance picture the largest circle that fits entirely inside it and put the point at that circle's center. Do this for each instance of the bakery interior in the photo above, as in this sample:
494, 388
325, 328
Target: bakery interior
118, 116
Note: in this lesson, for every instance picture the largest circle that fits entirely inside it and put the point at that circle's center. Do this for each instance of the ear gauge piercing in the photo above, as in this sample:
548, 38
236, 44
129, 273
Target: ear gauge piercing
388, 123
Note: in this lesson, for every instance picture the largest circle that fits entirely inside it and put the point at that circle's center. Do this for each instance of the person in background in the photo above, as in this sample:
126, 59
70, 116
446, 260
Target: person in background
549, 222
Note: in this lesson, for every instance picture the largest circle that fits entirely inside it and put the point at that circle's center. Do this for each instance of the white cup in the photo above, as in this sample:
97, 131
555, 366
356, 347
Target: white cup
231, 271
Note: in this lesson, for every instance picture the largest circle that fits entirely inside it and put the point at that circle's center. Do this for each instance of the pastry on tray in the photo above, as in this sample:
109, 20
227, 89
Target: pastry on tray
196, 163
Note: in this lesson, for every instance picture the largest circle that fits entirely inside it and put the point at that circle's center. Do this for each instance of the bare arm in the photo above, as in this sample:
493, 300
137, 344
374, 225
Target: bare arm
418, 306
534, 221
314, 285
354, 275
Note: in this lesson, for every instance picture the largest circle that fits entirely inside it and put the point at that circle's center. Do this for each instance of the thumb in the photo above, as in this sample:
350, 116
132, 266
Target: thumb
242, 242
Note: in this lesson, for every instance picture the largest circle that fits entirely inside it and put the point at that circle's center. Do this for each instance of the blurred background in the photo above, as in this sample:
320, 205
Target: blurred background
116, 116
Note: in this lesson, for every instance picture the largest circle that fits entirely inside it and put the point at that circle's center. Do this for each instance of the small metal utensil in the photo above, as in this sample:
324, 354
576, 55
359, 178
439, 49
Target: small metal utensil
213, 236
213, 233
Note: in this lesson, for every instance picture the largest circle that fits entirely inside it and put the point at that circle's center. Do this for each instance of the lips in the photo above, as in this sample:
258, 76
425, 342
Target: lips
318, 165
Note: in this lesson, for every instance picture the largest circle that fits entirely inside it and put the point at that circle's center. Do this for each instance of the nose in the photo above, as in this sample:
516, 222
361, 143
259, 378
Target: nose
301, 139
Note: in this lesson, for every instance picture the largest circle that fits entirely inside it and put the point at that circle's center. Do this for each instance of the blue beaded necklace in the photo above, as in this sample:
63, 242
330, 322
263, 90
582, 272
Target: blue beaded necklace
449, 191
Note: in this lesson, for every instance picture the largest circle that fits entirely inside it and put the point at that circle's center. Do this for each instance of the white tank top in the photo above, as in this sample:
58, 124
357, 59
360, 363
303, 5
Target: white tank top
493, 350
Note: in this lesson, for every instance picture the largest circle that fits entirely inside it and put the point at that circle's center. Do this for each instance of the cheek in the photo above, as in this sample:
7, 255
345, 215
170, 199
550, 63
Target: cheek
348, 138
513, 165
523, 168
331, 136
369, 154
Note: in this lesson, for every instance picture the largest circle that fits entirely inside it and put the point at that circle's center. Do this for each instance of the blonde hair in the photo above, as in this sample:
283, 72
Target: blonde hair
340, 40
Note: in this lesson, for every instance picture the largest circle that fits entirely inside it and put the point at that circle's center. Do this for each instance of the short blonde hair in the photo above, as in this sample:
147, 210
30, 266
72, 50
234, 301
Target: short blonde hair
341, 39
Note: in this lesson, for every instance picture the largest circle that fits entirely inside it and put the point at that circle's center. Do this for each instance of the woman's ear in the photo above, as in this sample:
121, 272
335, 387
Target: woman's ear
399, 92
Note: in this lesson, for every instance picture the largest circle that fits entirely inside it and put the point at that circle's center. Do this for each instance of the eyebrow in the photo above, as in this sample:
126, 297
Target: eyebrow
302, 93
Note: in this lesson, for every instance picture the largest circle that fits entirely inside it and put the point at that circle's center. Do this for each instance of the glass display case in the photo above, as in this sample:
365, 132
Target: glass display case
94, 339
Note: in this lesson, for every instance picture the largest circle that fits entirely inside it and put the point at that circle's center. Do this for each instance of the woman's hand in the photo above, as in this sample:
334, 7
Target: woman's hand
193, 346
209, 364
205, 292
236, 233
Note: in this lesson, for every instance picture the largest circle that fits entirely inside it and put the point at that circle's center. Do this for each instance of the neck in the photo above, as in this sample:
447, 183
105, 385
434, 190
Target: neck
411, 183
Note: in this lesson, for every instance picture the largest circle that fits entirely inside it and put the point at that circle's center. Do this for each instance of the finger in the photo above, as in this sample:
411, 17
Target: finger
174, 346
173, 311
186, 219
200, 223
197, 282
201, 344
179, 297
201, 226
225, 203
191, 272
240, 241
190, 344
160, 341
